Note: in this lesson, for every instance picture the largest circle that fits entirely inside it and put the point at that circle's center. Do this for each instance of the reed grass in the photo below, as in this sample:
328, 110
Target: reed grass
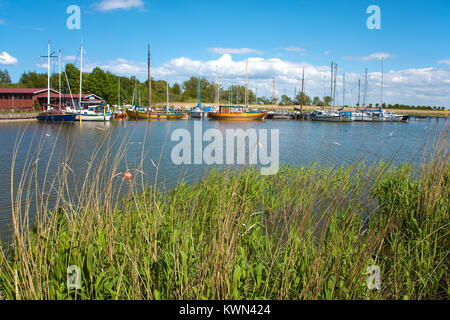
305, 233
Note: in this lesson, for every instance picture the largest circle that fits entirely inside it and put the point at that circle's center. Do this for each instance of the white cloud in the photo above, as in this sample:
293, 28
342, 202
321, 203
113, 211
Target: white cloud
126, 68
110, 5
426, 86
70, 58
373, 56
444, 61
327, 52
295, 49
2, 21
234, 51
6, 58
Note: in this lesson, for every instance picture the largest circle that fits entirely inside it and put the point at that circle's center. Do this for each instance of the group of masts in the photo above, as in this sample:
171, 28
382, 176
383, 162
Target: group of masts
333, 79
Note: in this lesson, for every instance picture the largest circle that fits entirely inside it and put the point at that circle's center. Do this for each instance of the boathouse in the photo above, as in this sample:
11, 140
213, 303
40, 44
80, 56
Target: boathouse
23, 99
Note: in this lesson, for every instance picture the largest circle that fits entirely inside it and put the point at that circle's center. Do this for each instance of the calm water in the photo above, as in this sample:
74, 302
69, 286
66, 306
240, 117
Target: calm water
301, 142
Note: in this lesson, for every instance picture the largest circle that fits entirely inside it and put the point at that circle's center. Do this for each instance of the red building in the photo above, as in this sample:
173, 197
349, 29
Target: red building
24, 99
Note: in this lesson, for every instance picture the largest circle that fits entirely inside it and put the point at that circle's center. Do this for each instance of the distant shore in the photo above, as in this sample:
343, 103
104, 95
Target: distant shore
31, 116
433, 113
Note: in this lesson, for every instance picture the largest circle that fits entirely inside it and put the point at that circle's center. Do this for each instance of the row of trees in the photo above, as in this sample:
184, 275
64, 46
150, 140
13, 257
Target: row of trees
133, 91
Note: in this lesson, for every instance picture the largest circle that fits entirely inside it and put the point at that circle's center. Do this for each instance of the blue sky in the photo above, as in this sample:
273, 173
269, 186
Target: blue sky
279, 38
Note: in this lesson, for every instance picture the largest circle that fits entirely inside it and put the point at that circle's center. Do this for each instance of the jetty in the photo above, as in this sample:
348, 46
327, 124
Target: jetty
18, 116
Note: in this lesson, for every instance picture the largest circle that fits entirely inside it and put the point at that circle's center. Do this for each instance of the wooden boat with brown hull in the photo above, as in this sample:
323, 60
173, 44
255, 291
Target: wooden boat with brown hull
155, 115
235, 113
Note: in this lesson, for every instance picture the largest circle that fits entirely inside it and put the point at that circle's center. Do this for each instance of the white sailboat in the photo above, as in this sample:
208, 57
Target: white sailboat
330, 115
92, 113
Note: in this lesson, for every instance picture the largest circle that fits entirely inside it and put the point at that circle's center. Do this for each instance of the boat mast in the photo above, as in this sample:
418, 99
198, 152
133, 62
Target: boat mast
343, 90
303, 87
365, 90
273, 94
48, 76
218, 89
331, 85
382, 80
81, 72
149, 82
246, 92
334, 85
359, 93
199, 93
118, 96
59, 76
167, 83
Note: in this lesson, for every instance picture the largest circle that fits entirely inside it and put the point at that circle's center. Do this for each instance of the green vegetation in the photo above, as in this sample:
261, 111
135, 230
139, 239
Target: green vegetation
4, 77
305, 233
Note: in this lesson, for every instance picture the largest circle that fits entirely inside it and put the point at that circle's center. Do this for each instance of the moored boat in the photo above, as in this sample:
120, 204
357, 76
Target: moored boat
322, 115
236, 113
56, 116
93, 114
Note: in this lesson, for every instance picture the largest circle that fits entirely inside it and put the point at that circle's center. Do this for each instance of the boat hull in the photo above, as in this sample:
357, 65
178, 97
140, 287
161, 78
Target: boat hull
329, 119
131, 114
56, 117
93, 117
197, 114
142, 115
237, 116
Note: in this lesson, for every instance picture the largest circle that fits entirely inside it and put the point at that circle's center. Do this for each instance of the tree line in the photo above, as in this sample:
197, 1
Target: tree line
132, 91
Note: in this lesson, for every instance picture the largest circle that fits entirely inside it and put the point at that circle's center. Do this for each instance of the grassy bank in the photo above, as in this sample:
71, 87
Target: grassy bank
305, 233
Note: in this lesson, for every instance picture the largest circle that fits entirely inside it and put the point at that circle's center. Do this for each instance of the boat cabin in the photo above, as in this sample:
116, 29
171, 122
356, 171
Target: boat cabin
231, 109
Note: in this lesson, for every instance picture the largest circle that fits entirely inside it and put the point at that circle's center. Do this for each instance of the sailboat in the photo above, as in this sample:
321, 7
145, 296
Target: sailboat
53, 115
167, 114
331, 115
197, 111
164, 114
237, 112
302, 94
92, 113
119, 114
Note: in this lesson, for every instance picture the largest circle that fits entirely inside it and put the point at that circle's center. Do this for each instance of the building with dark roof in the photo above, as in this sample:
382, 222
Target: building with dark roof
24, 99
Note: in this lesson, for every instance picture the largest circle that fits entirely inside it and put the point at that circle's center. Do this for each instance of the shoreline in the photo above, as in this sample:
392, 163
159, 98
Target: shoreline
17, 116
